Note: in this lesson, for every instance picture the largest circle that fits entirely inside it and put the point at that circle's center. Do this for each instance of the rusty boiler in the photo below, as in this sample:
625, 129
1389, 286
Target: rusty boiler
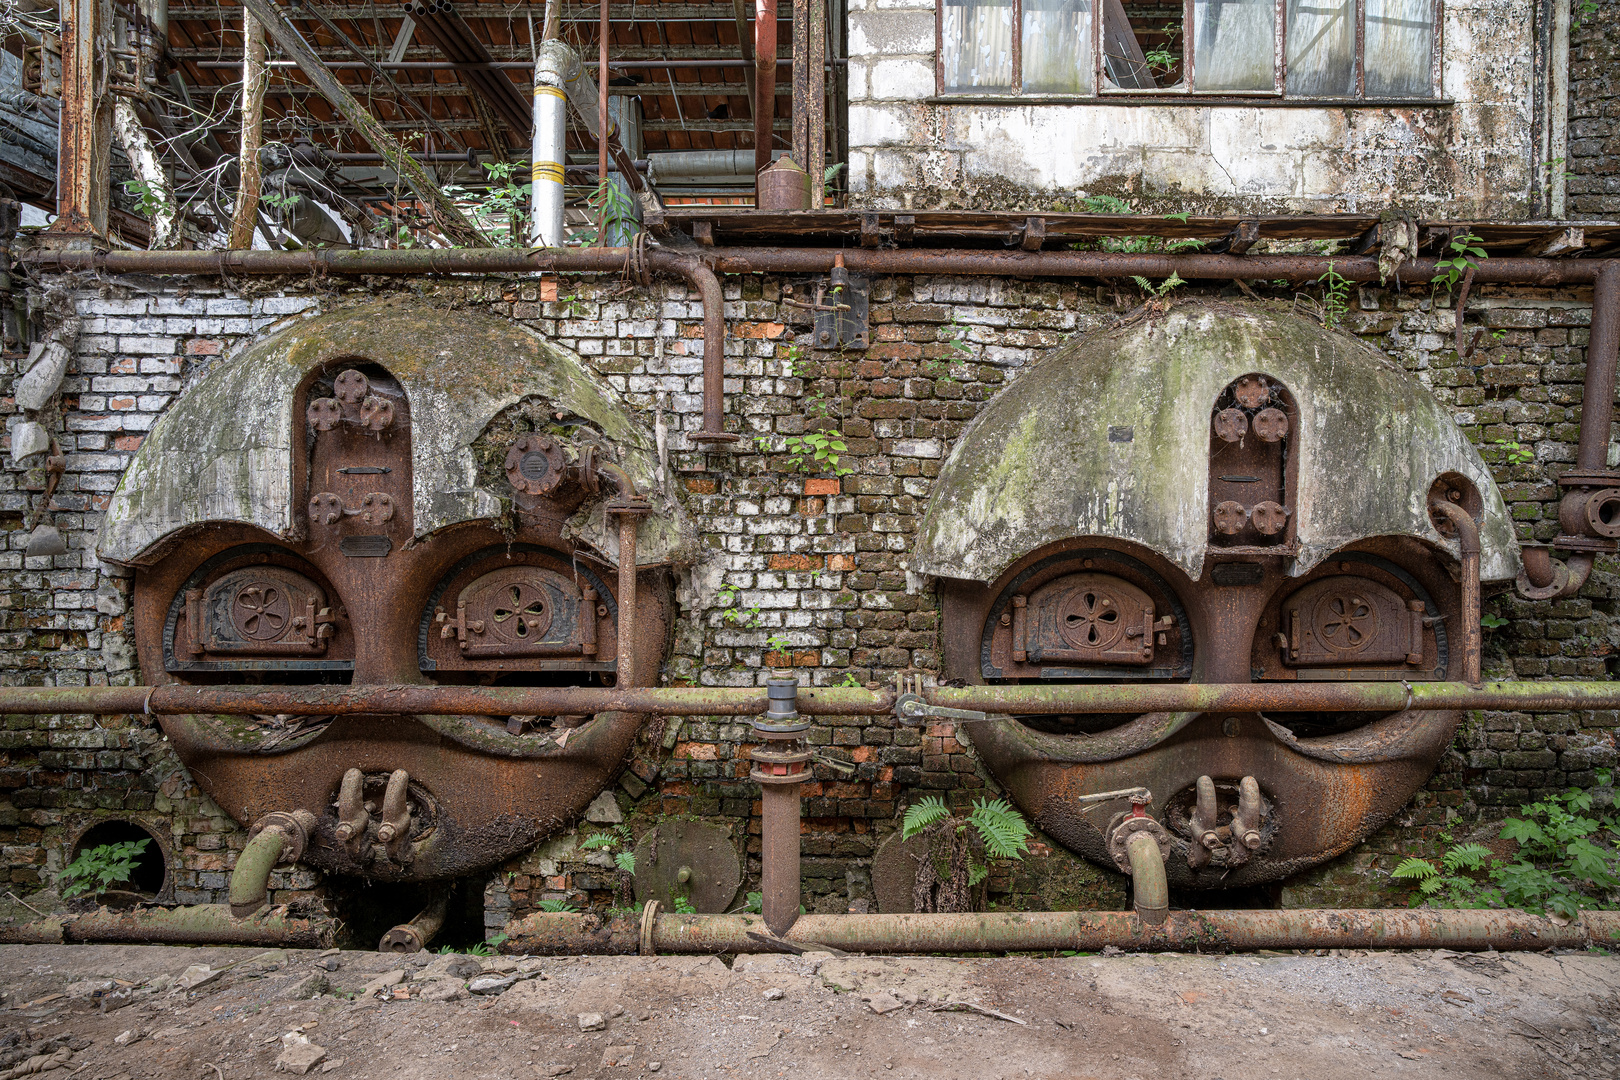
1218, 495
395, 494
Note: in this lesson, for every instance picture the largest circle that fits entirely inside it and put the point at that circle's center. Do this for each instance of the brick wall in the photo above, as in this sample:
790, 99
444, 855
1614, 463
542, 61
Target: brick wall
819, 561
1593, 189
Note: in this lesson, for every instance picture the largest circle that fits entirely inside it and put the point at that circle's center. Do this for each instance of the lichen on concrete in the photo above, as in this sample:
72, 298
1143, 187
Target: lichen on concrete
224, 451
1109, 436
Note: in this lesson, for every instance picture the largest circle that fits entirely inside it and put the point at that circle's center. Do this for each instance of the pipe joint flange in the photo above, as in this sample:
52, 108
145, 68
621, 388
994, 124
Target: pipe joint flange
1126, 823
296, 826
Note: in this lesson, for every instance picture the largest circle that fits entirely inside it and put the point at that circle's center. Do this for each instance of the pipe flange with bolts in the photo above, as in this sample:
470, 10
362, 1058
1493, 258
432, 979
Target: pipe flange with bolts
1124, 826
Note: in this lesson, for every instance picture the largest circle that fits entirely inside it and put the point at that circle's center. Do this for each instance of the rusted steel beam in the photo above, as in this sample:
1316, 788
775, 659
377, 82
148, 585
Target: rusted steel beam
1602, 351
449, 217
84, 146
200, 924
1039, 931
174, 699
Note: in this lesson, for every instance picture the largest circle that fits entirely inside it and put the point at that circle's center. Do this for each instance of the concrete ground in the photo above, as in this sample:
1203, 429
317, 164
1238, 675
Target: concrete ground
138, 1012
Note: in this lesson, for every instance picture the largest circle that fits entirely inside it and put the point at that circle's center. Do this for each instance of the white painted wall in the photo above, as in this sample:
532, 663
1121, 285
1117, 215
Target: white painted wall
1470, 158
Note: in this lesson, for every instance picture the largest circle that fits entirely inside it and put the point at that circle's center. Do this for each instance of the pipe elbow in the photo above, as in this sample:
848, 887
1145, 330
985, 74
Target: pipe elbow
250, 881
1150, 889
1547, 578
1460, 519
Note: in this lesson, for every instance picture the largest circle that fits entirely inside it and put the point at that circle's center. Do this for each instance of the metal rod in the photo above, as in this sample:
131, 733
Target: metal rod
1090, 931
628, 523
602, 107
383, 699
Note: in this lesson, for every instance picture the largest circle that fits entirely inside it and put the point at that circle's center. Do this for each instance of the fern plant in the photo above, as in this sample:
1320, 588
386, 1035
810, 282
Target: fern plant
947, 879
618, 841
557, 906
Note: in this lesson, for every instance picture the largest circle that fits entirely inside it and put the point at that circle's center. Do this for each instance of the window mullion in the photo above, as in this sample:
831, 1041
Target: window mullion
1279, 58
1188, 60
1361, 48
1435, 51
1018, 46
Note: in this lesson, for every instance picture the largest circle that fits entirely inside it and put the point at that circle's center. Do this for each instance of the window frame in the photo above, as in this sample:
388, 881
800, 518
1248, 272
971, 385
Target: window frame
1276, 96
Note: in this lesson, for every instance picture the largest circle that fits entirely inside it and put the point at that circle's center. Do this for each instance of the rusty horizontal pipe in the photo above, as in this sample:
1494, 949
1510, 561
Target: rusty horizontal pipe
199, 924
175, 699
1086, 931
805, 260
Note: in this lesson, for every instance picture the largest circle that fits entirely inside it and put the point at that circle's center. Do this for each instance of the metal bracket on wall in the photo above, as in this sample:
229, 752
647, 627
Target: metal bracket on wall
841, 310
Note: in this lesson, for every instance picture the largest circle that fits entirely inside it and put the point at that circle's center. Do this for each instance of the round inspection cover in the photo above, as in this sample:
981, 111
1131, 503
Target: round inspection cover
706, 852
1231, 424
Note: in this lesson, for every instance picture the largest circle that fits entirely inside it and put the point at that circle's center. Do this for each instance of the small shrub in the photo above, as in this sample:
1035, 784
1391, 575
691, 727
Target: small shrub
99, 868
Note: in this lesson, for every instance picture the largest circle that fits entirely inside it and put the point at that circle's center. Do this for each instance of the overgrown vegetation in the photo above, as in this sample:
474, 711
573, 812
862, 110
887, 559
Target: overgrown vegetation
1567, 860
1335, 296
952, 874
99, 868
1464, 250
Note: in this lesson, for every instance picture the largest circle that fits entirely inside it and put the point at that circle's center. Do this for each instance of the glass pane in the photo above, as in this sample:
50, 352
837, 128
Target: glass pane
977, 35
1399, 40
1234, 44
1322, 48
1057, 47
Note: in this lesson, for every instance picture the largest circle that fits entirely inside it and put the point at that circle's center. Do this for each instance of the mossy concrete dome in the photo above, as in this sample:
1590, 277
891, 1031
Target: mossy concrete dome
224, 452
1109, 436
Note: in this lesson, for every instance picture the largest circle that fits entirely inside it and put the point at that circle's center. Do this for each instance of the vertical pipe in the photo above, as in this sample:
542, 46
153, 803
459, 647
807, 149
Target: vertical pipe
253, 87
802, 81
764, 84
779, 856
1558, 109
1468, 548
745, 46
628, 522
779, 769
707, 284
1602, 350
550, 143
602, 102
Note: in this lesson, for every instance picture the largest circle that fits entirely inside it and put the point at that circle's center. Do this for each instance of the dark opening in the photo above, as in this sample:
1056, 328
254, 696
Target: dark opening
150, 866
1312, 725
369, 909
1251, 898
1076, 723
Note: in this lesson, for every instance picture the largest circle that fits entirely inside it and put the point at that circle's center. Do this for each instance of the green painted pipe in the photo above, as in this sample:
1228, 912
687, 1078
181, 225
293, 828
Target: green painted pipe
250, 881
1150, 890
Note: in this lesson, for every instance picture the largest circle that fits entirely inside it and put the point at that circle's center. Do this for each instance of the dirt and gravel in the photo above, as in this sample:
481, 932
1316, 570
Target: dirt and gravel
139, 1012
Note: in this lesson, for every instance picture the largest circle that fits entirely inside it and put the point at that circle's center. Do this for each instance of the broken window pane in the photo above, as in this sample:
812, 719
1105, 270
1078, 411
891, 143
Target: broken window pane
977, 38
1142, 49
1399, 40
1322, 48
1057, 46
1234, 44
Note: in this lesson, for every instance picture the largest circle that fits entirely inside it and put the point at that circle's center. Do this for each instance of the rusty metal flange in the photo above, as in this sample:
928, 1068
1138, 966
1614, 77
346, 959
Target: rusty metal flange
1119, 833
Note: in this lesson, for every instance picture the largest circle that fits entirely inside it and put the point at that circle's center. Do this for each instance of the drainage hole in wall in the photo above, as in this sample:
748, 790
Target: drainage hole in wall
151, 867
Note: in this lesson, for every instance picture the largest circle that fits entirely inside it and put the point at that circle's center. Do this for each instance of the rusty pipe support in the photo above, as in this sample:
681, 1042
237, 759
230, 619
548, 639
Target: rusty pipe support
1090, 931
1150, 892
779, 769
403, 700
1468, 548
764, 85
197, 924
417, 934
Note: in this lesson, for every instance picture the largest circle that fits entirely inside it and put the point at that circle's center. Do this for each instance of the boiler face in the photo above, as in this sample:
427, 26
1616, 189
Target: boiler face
395, 497
1218, 496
